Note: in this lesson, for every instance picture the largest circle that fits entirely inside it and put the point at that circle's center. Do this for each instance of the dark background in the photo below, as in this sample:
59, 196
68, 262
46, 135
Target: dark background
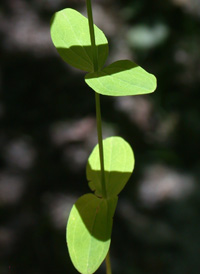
47, 131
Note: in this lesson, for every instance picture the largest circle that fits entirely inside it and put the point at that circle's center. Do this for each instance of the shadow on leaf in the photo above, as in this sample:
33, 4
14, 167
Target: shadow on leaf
115, 181
95, 215
114, 68
81, 57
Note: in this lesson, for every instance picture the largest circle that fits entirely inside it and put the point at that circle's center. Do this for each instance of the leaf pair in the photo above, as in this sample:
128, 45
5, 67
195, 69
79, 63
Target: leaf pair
90, 222
70, 35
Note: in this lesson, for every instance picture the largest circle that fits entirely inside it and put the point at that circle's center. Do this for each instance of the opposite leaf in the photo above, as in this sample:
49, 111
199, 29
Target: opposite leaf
70, 36
89, 231
118, 164
120, 79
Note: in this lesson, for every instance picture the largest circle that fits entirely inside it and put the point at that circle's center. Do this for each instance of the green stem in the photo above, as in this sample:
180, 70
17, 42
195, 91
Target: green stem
92, 35
108, 264
98, 115
97, 97
99, 132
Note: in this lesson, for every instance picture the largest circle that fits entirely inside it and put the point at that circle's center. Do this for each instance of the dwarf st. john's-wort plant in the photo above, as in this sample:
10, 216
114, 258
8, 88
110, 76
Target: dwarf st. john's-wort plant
83, 45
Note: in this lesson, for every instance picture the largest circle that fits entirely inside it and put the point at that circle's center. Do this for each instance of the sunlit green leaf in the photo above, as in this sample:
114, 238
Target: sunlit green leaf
70, 36
89, 231
118, 163
120, 79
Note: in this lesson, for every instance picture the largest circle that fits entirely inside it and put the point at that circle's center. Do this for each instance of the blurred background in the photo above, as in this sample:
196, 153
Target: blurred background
47, 131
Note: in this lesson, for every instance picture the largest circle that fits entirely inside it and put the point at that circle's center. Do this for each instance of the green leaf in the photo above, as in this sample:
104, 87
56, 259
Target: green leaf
118, 164
70, 36
89, 232
121, 78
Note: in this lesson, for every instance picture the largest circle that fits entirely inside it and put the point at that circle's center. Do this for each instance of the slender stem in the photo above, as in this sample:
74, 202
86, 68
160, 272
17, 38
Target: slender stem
99, 132
98, 115
108, 264
92, 35
97, 97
